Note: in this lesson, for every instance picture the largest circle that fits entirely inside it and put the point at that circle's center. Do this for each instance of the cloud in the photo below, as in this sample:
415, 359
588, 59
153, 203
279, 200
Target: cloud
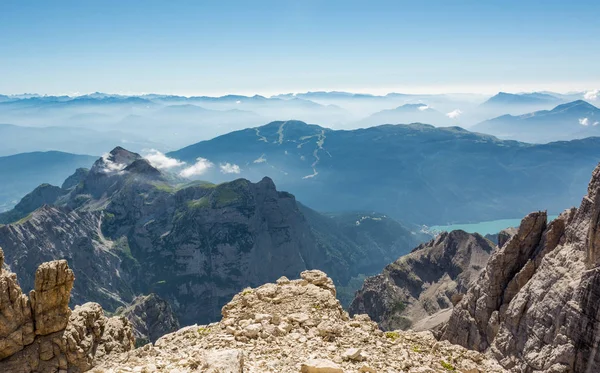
161, 161
228, 168
592, 95
260, 159
454, 114
584, 121
110, 166
198, 168
424, 107
596, 123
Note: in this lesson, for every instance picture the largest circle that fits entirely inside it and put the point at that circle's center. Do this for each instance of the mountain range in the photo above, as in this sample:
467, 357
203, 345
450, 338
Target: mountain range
573, 120
126, 229
415, 173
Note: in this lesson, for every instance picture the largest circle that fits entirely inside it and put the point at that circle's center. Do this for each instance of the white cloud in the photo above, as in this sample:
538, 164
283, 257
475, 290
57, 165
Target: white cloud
161, 161
260, 159
423, 107
584, 121
228, 168
198, 168
110, 166
454, 114
592, 95
596, 123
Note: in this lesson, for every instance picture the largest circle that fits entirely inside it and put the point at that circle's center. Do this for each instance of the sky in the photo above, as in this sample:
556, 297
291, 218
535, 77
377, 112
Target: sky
269, 47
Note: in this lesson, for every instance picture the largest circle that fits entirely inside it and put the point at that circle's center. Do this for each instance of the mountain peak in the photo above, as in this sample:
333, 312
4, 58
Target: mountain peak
117, 160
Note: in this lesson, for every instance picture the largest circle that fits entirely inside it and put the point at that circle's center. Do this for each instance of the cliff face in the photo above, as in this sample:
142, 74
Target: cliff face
418, 290
150, 317
535, 306
127, 228
295, 326
41, 334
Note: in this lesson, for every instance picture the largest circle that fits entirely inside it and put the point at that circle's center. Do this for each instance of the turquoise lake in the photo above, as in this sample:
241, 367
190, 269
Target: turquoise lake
483, 228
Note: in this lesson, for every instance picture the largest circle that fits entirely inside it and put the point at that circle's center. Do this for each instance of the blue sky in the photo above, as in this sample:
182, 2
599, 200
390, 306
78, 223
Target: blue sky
267, 47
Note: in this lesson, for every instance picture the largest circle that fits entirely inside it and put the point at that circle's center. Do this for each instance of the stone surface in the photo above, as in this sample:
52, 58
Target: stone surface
535, 306
307, 331
417, 290
150, 317
44, 336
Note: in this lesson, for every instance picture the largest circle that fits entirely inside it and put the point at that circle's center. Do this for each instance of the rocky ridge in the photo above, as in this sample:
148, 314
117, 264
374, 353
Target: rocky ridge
535, 306
419, 289
41, 334
150, 316
295, 326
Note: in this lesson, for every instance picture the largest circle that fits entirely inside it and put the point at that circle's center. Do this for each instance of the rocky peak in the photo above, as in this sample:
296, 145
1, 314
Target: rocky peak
41, 334
115, 161
419, 289
74, 180
295, 326
535, 305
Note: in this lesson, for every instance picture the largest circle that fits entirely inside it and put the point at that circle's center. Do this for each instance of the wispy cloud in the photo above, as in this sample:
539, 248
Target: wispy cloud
228, 168
161, 161
584, 121
260, 159
454, 114
424, 107
110, 166
198, 168
592, 95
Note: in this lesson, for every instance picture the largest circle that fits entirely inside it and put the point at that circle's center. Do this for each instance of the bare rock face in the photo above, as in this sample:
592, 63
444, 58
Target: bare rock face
150, 317
295, 326
419, 289
41, 334
535, 306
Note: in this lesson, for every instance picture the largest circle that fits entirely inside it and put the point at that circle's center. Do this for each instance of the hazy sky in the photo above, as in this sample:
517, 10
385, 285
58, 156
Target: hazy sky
219, 47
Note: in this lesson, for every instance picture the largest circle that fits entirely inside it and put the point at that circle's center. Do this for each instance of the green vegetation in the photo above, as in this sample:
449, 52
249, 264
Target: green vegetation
226, 196
416, 348
392, 335
447, 366
203, 331
399, 307
24, 219
198, 203
247, 291
140, 342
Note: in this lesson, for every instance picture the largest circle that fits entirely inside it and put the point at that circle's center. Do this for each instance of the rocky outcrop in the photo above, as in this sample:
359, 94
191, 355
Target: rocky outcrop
535, 306
419, 289
150, 317
296, 326
41, 334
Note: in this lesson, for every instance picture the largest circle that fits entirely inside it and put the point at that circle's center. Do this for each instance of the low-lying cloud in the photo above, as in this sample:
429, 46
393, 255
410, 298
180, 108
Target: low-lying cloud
110, 166
424, 107
584, 121
161, 161
228, 168
454, 114
198, 168
592, 95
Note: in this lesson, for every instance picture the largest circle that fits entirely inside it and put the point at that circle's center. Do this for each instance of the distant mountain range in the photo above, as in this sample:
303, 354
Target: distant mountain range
416, 173
21, 173
407, 113
574, 120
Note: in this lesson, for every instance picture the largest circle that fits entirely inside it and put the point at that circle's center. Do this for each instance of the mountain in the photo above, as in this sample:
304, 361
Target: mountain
535, 305
296, 326
19, 139
408, 113
573, 120
21, 173
504, 98
415, 173
418, 290
127, 229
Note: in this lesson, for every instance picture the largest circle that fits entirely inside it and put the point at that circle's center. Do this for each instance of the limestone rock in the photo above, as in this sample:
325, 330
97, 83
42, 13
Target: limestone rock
418, 289
43, 335
535, 306
293, 326
320, 366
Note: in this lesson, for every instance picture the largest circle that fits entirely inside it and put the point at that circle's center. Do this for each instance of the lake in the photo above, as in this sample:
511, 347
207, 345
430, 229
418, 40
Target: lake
483, 228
